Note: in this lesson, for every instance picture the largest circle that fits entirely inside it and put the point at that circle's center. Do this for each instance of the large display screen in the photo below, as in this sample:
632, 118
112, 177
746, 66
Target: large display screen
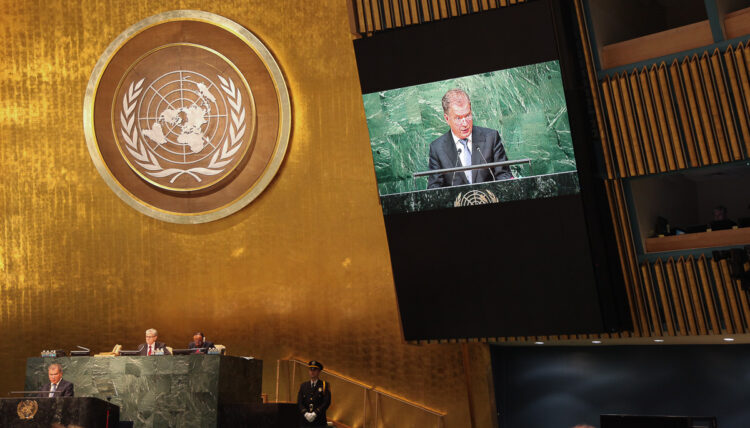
517, 116
482, 143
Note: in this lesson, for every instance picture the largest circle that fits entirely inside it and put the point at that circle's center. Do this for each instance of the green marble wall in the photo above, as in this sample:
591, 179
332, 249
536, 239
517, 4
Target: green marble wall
161, 391
526, 104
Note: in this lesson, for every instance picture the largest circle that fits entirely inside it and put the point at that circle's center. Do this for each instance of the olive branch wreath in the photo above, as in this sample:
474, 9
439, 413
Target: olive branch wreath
148, 160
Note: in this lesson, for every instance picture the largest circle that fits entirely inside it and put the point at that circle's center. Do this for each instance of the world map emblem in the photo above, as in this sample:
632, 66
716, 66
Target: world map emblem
187, 116
475, 197
184, 130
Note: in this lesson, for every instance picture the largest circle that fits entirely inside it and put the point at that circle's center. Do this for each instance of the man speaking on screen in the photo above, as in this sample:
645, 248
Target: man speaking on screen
465, 145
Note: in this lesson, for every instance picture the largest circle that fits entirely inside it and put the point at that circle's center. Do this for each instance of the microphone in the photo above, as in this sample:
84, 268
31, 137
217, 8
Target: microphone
485, 161
85, 349
458, 159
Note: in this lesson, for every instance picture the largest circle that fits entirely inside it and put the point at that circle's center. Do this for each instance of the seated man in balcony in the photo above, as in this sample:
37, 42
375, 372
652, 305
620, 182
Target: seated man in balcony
313, 398
465, 145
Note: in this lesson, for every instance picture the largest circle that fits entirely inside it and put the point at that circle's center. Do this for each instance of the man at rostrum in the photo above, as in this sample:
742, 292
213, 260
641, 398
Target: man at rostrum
199, 343
313, 398
57, 387
465, 145
152, 344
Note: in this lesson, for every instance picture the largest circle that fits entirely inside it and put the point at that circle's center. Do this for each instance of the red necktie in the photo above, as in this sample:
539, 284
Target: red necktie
149, 349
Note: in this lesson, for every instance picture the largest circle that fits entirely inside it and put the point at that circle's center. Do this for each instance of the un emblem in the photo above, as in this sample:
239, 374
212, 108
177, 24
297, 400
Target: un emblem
182, 130
187, 116
475, 197
27, 409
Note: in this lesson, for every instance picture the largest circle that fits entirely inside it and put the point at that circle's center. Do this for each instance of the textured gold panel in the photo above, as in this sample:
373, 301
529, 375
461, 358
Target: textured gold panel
303, 271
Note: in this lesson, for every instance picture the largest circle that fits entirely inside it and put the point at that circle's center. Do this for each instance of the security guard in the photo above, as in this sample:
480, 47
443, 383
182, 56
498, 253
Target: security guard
314, 398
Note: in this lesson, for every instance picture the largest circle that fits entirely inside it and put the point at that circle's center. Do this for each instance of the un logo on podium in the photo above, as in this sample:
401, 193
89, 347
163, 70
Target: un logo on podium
187, 116
27, 409
475, 197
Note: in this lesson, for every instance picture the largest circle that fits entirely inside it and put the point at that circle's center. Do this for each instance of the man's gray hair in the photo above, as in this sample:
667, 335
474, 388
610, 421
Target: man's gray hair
55, 365
152, 331
457, 96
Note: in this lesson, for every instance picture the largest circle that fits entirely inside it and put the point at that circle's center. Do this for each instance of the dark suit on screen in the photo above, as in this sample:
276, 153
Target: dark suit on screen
206, 346
157, 345
64, 389
318, 398
487, 147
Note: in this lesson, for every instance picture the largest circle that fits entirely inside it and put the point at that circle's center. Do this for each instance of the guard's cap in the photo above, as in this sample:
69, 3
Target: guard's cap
315, 365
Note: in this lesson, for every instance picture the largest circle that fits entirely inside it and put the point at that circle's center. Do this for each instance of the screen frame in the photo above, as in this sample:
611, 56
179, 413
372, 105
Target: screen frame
418, 66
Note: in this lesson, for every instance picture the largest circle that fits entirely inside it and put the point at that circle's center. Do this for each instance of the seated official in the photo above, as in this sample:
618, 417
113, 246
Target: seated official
152, 345
199, 343
314, 398
57, 387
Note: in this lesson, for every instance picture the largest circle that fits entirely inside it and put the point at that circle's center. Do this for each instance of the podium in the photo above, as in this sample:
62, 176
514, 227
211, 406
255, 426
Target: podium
160, 391
35, 412
517, 189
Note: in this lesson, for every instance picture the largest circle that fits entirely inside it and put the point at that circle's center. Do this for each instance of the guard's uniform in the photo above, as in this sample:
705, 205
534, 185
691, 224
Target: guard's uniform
314, 398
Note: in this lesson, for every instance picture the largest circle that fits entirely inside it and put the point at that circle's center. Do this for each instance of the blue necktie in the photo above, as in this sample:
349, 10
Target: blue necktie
466, 157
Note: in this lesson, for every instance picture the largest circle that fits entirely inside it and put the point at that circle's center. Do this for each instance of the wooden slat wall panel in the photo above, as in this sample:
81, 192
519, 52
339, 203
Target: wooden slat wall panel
699, 306
741, 294
635, 143
625, 245
711, 308
680, 99
674, 136
649, 293
694, 113
703, 113
740, 56
726, 319
632, 282
688, 302
688, 114
614, 127
711, 86
618, 87
735, 72
662, 121
643, 124
675, 298
727, 286
732, 148
656, 143
378, 15
664, 303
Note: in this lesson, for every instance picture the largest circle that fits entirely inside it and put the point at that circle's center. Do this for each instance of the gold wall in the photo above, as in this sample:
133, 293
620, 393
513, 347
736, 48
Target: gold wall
303, 271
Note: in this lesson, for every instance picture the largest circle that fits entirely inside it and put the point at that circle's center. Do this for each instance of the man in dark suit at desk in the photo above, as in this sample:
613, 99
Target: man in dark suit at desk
152, 345
465, 145
199, 343
57, 387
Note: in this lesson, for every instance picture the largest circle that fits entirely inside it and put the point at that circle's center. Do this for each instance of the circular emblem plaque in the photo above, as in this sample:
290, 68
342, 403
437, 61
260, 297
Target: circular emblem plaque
475, 197
187, 116
27, 409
